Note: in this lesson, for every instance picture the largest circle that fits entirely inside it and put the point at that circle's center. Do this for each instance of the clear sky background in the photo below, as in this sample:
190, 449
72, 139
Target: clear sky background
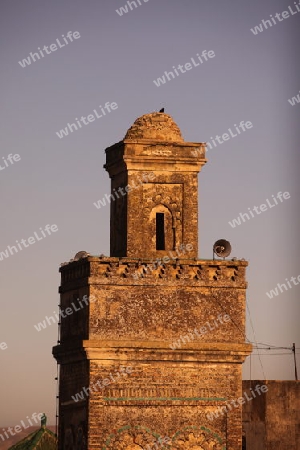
57, 180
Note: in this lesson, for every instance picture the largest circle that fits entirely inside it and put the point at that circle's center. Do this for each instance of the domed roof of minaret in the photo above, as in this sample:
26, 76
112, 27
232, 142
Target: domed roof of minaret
156, 126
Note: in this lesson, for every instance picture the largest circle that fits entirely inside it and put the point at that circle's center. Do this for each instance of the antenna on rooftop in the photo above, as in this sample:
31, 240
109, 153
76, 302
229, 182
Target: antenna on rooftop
294, 351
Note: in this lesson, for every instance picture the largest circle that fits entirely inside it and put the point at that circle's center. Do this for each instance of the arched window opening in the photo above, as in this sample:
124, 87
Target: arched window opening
244, 446
160, 231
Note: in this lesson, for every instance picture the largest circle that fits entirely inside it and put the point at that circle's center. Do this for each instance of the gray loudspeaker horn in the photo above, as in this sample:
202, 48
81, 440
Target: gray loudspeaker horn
222, 248
80, 255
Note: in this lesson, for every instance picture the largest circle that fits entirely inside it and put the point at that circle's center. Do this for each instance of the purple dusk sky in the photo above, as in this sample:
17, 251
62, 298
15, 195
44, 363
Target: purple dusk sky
55, 181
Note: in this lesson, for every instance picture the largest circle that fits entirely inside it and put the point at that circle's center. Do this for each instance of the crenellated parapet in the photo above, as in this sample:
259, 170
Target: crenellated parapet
128, 271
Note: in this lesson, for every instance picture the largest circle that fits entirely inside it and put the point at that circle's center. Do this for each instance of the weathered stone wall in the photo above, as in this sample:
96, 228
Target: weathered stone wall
177, 194
165, 398
136, 301
74, 318
166, 307
134, 318
73, 415
165, 321
74, 367
272, 421
161, 171
118, 215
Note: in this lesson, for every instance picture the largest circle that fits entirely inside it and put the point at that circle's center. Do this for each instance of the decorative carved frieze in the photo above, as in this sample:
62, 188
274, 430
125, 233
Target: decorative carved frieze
134, 271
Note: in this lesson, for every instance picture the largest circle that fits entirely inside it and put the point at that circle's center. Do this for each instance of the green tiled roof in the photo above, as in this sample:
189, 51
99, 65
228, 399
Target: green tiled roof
42, 439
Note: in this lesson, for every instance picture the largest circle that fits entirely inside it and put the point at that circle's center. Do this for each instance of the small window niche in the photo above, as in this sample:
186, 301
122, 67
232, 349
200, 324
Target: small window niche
160, 231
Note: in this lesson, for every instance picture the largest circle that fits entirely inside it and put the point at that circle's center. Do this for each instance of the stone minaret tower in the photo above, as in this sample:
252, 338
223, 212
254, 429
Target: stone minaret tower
152, 339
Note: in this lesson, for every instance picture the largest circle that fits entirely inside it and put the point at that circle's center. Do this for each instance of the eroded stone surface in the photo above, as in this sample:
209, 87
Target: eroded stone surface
272, 420
147, 315
156, 126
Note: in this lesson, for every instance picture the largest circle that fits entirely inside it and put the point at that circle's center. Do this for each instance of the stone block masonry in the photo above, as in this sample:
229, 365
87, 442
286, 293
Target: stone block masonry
128, 321
138, 312
271, 421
